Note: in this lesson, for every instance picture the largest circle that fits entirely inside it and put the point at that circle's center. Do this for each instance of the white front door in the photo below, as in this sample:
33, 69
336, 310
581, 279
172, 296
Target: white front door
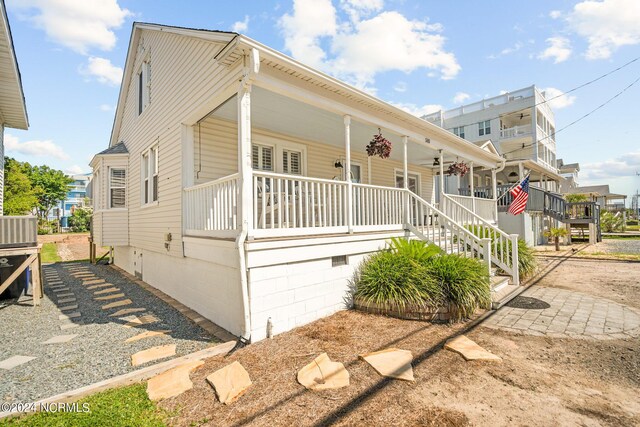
413, 182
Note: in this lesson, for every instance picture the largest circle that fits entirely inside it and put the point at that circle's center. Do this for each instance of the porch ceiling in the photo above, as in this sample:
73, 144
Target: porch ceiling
277, 113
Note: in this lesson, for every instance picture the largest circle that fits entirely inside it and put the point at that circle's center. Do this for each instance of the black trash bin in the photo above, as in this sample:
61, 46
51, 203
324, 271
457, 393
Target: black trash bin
16, 288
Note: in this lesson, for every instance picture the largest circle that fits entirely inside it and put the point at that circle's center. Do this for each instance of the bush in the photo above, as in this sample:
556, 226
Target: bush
47, 227
80, 219
610, 222
464, 281
416, 250
527, 262
575, 198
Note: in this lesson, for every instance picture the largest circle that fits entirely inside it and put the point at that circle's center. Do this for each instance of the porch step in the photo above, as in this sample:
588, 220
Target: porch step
498, 282
504, 294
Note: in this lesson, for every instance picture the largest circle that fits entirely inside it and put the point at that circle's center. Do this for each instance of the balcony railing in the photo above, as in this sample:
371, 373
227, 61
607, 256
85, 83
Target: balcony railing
516, 131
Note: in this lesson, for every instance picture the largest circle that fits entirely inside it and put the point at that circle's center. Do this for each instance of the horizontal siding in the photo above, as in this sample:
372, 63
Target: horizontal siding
172, 100
115, 228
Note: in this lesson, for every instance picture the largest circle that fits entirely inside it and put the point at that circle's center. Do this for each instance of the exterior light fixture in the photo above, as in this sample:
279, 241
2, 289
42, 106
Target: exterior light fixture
338, 164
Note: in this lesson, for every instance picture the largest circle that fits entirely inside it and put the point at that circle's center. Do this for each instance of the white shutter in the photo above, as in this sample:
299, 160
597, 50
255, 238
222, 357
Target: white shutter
267, 158
292, 162
117, 186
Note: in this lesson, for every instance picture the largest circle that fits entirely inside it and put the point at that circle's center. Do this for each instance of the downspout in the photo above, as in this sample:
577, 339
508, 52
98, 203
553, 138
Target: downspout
249, 72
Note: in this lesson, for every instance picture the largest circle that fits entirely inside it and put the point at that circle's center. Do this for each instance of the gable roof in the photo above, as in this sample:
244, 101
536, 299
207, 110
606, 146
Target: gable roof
13, 109
600, 190
119, 148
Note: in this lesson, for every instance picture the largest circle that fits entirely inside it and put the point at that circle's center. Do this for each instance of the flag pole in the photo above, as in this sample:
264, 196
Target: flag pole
513, 186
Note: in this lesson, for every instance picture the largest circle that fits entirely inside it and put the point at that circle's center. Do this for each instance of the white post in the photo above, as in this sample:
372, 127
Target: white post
245, 173
472, 187
494, 190
514, 257
441, 175
369, 170
521, 171
405, 178
347, 167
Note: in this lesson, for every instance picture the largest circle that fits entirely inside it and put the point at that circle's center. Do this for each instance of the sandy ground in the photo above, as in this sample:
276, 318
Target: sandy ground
541, 381
72, 246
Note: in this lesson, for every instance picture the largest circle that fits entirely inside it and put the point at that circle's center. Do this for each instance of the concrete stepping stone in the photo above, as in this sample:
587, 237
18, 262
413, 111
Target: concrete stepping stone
92, 282
117, 304
126, 311
172, 382
73, 315
153, 353
54, 282
142, 320
14, 361
108, 297
323, 374
230, 382
68, 326
66, 300
60, 339
102, 285
65, 295
391, 363
470, 350
106, 291
83, 275
147, 334
68, 307
60, 290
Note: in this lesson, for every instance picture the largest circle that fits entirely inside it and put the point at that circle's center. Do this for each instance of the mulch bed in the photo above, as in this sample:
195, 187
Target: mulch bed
276, 398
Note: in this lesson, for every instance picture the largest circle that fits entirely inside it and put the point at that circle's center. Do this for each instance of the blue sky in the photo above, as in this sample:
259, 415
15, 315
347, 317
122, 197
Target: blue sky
415, 54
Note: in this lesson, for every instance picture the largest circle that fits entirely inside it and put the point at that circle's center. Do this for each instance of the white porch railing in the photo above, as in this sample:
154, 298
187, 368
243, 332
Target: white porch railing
504, 247
516, 131
485, 208
376, 207
297, 205
211, 208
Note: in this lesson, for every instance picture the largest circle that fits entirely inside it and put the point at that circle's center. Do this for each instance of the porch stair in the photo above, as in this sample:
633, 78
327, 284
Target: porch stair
503, 293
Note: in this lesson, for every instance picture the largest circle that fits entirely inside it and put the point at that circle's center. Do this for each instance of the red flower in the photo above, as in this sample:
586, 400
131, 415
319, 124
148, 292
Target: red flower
379, 146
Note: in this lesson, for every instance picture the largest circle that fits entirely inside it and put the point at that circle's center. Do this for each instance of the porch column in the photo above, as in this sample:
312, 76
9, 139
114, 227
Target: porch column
245, 204
405, 177
521, 171
441, 175
472, 187
494, 189
347, 147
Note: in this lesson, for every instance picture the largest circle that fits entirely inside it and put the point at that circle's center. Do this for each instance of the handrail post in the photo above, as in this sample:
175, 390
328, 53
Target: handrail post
245, 176
347, 172
405, 179
494, 189
486, 252
515, 271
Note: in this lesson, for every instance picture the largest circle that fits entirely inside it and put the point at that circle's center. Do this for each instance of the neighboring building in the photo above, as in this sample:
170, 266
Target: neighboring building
13, 110
569, 173
76, 197
602, 196
224, 182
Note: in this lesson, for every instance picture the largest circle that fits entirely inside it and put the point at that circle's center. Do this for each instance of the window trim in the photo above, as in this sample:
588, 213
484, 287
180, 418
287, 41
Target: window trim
147, 182
400, 173
484, 127
279, 145
144, 85
110, 187
274, 155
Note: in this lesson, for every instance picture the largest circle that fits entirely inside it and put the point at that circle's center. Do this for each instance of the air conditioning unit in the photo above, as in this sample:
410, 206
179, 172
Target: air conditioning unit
18, 231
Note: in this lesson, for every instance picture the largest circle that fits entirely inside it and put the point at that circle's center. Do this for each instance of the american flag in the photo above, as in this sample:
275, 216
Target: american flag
520, 196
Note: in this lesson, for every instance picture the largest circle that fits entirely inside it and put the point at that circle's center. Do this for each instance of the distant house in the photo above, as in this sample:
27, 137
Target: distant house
602, 196
237, 181
569, 173
13, 110
76, 197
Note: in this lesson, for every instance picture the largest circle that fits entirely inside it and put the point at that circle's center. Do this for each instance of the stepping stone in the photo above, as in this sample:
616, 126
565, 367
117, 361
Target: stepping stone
147, 334
108, 297
65, 295
142, 320
323, 374
126, 311
59, 339
172, 382
470, 350
14, 361
106, 291
391, 363
153, 353
59, 290
69, 316
230, 382
68, 307
54, 282
117, 304
103, 285
66, 300
92, 282
68, 326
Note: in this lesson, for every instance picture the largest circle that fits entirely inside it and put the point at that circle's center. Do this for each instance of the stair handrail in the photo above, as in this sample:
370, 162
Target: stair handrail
502, 254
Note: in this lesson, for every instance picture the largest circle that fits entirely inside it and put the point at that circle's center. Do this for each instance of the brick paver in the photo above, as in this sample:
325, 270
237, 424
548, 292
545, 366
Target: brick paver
570, 314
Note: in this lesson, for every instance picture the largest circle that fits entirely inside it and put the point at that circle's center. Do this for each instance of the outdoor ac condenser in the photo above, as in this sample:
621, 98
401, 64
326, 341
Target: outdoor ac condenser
18, 231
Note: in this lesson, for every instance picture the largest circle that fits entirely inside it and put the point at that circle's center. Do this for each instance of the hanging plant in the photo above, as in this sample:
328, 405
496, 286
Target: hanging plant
458, 168
379, 146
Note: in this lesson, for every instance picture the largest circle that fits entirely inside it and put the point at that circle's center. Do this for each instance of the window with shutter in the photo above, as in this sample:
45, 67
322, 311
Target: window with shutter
117, 188
262, 157
292, 162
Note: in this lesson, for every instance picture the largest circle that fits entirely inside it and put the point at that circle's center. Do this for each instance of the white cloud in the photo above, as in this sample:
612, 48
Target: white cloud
624, 166
507, 51
400, 87
461, 97
241, 26
74, 170
102, 70
417, 110
76, 24
107, 108
359, 48
35, 148
562, 101
559, 49
555, 14
607, 25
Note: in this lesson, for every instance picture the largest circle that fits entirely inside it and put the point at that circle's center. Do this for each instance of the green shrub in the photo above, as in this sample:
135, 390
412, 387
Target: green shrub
416, 250
80, 220
576, 198
464, 281
389, 277
527, 261
610, 222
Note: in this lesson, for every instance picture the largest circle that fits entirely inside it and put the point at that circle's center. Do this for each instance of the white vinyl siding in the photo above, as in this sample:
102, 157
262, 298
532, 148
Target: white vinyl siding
117, 188
144, 86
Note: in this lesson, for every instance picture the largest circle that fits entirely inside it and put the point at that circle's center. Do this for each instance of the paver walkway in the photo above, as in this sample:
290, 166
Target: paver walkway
564, 313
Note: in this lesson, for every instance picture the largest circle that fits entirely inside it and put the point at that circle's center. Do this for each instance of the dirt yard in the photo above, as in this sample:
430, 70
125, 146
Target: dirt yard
543, 379
72, 246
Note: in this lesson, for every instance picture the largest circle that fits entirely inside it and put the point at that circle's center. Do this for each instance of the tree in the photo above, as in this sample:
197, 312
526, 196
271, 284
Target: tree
556, 233
575, 198
19, 195
80, 219
51, 186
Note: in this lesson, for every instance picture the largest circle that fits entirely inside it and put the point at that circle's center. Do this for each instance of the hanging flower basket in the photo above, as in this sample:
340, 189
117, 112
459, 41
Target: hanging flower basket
458, 168
379, 146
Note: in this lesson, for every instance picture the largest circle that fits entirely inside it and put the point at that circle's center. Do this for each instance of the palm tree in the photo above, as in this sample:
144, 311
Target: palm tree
556, 233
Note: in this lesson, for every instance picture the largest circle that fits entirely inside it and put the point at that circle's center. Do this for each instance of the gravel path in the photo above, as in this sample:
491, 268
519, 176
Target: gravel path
626, 246
99, 351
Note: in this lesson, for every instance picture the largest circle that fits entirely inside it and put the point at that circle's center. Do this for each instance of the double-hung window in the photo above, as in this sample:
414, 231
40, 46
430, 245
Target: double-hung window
150, 175
144, 86
484, 127
117, 188
459, 131
262, 157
